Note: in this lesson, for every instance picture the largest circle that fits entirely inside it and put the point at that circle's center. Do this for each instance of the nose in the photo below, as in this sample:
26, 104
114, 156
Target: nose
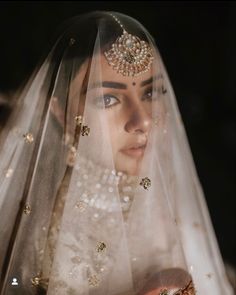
139, 120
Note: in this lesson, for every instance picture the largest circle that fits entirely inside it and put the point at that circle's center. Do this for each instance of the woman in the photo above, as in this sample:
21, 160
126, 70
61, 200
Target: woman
98, 189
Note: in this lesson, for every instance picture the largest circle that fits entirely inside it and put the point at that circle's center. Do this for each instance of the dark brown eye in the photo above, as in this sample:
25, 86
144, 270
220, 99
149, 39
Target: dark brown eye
110, 100
148, 95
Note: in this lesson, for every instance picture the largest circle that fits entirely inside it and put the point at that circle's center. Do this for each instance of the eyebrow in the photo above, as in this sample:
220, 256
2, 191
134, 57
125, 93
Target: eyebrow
117, 85
148, 81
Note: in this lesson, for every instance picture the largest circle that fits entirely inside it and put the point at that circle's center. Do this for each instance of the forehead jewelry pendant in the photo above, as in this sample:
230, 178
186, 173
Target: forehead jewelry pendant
129, 55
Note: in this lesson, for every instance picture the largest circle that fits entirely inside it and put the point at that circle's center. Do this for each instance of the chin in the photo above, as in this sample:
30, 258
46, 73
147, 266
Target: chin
128, 165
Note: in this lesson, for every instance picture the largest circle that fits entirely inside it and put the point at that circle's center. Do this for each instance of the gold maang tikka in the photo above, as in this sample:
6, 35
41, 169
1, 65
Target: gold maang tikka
129, 55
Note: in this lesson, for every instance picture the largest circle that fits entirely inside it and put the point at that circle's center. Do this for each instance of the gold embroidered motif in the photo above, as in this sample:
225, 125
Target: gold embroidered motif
27, 209
39, 281
93, 280
72, 41
188, 290
85, 130
79, 120
145, 182
81, 206
101, 246
164, 292
35, 281
28, 137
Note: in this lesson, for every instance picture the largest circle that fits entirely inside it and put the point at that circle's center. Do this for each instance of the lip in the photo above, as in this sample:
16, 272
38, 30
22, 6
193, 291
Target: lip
135, 151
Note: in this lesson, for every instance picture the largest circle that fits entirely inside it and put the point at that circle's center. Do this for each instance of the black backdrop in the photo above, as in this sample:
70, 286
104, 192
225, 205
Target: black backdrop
197, 41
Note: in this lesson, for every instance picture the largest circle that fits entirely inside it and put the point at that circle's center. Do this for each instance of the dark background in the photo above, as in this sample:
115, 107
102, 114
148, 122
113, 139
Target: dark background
197, 41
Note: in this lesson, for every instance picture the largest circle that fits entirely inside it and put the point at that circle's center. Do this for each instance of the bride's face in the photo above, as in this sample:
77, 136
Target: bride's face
118, 111
124, 104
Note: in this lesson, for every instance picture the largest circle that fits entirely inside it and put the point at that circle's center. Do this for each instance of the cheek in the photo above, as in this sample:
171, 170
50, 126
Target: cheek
115, 123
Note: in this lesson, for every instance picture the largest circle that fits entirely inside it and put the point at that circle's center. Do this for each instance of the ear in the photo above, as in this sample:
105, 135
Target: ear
56, 110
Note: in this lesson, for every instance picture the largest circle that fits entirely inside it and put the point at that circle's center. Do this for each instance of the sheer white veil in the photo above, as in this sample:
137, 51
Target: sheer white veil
78, 217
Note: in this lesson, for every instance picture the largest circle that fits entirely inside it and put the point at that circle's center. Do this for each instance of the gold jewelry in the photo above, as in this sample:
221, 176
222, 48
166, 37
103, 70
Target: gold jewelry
27, 209
129, 55
28, 137
39, 281
145, 182
187, 290
71, 156
79, 120
101, 246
